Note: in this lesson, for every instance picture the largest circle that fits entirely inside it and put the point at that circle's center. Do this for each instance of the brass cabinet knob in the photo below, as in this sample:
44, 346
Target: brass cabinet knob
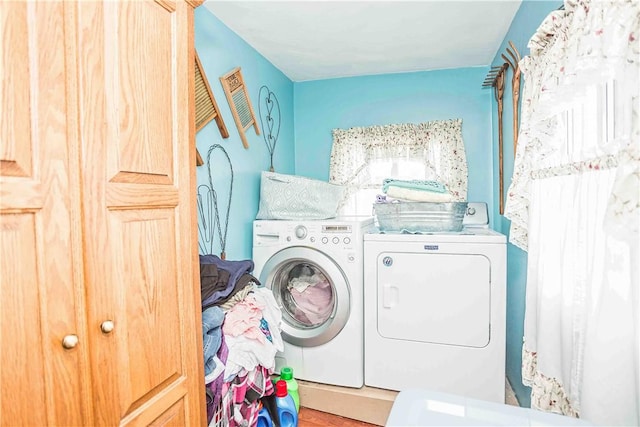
70, 341
107, 326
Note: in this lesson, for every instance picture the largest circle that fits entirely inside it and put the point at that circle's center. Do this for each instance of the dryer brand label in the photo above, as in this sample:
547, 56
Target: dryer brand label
431, 247
387, 261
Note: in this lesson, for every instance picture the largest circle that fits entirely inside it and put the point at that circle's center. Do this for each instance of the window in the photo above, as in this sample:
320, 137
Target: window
397, 168
362, 158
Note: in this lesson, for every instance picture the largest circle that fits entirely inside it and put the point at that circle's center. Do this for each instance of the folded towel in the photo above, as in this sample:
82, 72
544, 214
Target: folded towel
418, 195
432, 186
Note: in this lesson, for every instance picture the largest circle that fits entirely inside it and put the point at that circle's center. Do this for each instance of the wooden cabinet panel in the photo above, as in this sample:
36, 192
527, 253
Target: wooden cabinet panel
140, 71
97, 214
15, 132
148, 335
173, 417
23, 369
139, 239
42, 383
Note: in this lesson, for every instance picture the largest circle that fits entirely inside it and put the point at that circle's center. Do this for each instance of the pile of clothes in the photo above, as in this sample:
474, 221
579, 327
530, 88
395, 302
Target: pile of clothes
241, 335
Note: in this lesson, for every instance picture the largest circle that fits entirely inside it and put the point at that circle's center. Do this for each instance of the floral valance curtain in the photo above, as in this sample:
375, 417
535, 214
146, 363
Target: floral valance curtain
437, 144
587, 43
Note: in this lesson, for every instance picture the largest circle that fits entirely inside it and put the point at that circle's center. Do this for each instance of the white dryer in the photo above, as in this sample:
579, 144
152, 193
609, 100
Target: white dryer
315, 270
435, 310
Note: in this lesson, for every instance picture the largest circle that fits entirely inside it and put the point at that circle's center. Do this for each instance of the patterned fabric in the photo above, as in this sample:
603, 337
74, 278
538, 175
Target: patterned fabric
574, 206
547, 393
214, 389
600, 163
438, 144
297, 197
587, 43
241, 397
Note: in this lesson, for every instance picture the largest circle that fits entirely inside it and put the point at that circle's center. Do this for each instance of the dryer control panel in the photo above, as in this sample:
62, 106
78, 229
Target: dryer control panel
477, 215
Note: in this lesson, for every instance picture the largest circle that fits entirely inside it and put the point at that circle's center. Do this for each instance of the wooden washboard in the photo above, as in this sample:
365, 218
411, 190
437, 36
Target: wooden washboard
238, 98
206, 106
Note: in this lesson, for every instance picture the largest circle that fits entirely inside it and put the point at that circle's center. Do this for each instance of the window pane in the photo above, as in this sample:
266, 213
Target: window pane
380, 169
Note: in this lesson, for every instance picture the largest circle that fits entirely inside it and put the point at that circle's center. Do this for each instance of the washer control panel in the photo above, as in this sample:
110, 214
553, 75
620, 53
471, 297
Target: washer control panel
320, 235
332, 236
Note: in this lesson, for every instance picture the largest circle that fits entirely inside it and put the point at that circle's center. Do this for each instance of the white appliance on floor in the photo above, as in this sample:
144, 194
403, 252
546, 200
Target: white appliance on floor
315, 270
435, 309
429, 408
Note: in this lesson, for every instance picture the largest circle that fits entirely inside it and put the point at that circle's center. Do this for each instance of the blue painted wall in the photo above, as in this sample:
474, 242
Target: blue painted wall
530, 15
323, 105
221, 50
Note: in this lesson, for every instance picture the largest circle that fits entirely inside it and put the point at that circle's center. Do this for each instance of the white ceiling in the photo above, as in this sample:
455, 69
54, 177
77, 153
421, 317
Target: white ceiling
311, 40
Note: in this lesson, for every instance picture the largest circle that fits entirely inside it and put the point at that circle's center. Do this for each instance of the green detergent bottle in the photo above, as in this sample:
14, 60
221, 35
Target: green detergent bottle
286, 374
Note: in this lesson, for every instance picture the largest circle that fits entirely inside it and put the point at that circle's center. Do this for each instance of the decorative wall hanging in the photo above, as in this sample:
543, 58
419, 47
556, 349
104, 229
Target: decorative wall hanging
206, 219
515, 88
269, 112
238, 97
208, 207
206, 106
495, 79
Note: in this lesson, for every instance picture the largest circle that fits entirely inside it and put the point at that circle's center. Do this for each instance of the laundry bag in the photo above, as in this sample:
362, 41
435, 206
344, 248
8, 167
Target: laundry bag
297, 197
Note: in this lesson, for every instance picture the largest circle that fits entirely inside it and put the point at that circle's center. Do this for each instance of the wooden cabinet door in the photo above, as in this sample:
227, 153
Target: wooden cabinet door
40, 263
135, 89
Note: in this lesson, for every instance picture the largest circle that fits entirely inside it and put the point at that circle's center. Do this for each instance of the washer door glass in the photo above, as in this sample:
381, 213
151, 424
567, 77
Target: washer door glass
312, 293
306, 294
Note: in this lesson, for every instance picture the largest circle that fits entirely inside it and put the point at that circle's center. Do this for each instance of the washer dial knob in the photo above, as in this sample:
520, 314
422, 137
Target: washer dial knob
301, 232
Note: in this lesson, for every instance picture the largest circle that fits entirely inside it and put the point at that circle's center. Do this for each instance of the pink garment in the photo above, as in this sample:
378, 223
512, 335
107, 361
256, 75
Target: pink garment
244, 319
314, 303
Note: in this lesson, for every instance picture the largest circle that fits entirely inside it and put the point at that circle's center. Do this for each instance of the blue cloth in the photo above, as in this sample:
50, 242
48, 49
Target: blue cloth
432, 186
212, 319
235, 270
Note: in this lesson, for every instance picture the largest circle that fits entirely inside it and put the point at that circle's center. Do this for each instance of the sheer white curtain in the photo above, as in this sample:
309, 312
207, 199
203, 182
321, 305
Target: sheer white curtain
362, 157
574, 206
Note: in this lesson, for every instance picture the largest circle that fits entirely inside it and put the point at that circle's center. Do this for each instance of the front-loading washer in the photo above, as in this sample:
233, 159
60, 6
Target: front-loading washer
315, 271
435, 310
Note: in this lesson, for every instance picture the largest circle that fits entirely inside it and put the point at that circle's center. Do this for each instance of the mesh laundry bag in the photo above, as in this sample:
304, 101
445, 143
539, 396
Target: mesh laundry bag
296, 197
